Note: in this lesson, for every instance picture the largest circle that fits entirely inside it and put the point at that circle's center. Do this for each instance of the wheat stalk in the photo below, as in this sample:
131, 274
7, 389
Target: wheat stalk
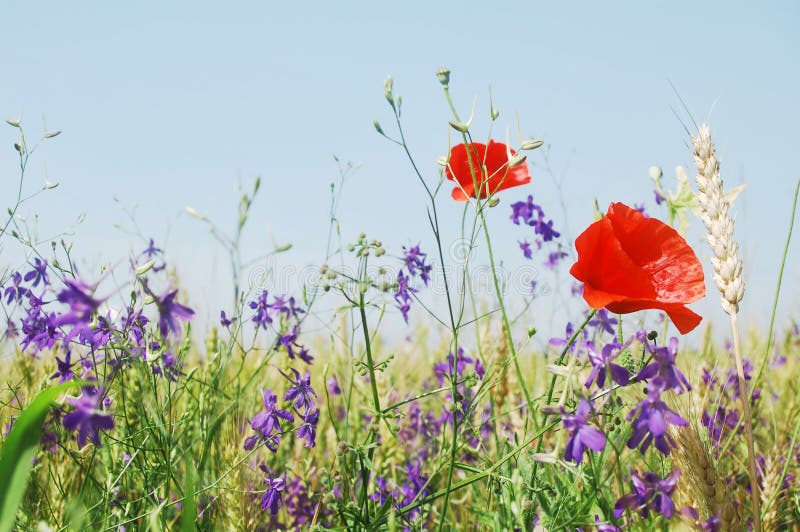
713, 211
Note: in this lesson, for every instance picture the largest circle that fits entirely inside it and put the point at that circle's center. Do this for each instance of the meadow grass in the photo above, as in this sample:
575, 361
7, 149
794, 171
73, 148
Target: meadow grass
469, 422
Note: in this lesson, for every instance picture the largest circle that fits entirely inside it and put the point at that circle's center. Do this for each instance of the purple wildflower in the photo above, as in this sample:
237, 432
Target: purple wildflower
403, 294
81, 303
38, 274
262, 317
664, 367
650, 492
553, 258
286, 307
415, 263
271, 499
268, 423
308, 428
293, 348
169, 312
659, 198
151, 250
300, 391
224, 320
525, 246
88, 417
64, 372
602, 364
652, 418
580, 433
603, 322
15, 292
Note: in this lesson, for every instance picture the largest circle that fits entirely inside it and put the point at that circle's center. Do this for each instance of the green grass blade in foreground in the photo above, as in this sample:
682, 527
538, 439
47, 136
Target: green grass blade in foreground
189, 515
16, 456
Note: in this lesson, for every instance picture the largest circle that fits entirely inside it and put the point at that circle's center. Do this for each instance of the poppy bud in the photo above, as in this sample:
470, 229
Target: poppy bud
13, 123
51, 134
517, 160
531, 144
459, 126
443, 74
655, 173
378, 127
285, 247
195, 213
494, 202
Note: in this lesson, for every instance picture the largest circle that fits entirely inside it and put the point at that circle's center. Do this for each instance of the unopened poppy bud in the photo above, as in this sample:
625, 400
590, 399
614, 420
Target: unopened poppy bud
517, 160
13, 123
494, 202
51, 134
441, 160
531, 144
443, 75
19, 148
655, 173
378, 127
49, 184
459, 126
285, 247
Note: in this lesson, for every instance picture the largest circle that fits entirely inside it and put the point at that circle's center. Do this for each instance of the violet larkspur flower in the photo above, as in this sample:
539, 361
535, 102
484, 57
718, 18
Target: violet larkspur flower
88, 417
602, 363
650, 492
308, 428
524, 211
169, 312
15, 291
82, 305
38, 273
525, 246
64, 372
664, 366
286, 307
262, 316
293, 348
415, 263
580, 433
652, 417
224, 320
553, 258
602, 321
271, 500
658, 197
403, 294
268, 423
300, 391
151, 250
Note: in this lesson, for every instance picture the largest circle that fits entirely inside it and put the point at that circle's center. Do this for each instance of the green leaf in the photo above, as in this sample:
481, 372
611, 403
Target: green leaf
189, 504
19, 450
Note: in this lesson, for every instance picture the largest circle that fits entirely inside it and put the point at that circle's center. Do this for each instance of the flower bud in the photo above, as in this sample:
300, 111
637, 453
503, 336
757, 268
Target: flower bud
195, 213
531, 144
285, 247
378, 127
459, 126
443, 75
494, 202
146, 267
655, 172
517, 160
51, 134
13, 123
387, 89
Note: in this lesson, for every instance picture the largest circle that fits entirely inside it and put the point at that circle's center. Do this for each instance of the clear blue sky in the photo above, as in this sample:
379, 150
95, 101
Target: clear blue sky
167, 104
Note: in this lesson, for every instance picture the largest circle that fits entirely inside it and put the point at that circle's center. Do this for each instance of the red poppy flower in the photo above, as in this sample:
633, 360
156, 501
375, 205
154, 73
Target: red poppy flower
628, 262
491, 166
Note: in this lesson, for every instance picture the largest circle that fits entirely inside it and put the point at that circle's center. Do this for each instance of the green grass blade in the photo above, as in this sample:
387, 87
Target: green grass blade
19, 450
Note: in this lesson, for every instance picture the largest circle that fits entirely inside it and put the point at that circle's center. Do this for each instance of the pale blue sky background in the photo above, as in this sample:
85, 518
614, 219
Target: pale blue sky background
168, 104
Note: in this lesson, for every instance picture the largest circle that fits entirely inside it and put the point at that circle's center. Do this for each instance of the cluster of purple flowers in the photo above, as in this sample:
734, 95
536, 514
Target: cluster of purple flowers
530, 214
721, 417
290, 318
414, 261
